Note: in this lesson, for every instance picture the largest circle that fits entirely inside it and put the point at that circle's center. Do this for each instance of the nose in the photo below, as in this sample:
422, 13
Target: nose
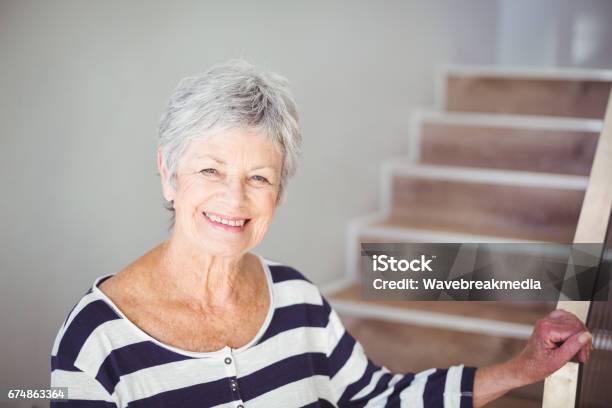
235, 192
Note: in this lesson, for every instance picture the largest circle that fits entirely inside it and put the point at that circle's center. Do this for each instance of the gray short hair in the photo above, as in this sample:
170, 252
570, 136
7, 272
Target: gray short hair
231, 95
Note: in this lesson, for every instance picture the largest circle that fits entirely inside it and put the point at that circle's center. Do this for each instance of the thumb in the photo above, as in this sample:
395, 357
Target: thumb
572, 345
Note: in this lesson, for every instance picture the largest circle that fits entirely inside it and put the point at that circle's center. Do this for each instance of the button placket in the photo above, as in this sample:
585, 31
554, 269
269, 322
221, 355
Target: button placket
236, 391
230, 366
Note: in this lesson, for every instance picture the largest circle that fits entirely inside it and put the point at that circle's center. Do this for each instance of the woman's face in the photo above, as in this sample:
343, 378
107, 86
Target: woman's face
226, 192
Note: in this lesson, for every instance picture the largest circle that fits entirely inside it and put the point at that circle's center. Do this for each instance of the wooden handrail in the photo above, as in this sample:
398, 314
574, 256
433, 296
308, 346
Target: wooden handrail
560, 388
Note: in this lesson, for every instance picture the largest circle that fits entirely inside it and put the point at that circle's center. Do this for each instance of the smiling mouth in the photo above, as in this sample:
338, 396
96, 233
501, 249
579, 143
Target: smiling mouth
236, 223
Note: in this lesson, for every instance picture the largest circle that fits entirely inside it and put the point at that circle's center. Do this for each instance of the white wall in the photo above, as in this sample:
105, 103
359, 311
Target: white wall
82, 86
565, 33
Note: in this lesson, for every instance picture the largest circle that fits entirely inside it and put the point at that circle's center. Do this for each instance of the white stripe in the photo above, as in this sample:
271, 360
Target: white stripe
80, 385
381, 399
452, 387
284, 345
293, 292
529, 72
335, 329
509, 121
423, 235
105, 338
470, 175
196, 371
370, 387
166, 377
352, 370
412, 396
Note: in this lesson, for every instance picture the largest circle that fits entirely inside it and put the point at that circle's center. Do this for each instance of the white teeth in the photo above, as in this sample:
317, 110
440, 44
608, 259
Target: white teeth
233, 223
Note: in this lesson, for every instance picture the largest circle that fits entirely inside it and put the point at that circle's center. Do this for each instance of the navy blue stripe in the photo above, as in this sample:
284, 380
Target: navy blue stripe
433, 394
358, 385
281, 373
381, 386
195, 396
82, 404
320, 403
326, 307
394, 400
467, 379
131, 358
467, 386
342, 352
281, 273
294, 316
75, 305
60, 364
85, 322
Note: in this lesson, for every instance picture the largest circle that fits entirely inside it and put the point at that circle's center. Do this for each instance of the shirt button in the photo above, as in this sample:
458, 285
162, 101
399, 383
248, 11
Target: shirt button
240, 406
228, 360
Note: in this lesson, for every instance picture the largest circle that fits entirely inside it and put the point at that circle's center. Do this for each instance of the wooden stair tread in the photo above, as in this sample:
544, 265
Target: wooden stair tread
528, 96
497, 233
510, 312
503, 147
546, 212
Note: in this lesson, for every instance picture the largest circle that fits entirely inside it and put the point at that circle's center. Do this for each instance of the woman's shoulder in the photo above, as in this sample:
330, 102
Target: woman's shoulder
292, 287
85, 318
282, 272
92, 316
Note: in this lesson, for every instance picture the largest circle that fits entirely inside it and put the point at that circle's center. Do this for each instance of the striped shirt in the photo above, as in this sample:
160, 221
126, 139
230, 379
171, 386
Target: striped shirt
301, 357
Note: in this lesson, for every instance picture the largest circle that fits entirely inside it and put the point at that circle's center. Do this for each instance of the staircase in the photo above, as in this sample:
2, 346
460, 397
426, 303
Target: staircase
505, 157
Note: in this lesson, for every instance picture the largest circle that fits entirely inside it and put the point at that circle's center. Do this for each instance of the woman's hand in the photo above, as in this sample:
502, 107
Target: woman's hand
555, 340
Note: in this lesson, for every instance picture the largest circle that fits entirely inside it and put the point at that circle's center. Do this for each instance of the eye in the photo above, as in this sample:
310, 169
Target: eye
208, 171
260, 179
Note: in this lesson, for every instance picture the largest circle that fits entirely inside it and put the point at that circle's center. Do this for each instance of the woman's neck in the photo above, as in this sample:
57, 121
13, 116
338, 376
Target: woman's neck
191, 274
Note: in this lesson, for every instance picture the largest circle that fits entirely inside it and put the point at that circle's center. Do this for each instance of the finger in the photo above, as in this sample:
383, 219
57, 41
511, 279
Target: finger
564, 316
586, 350
589, 353
558, 333
583, 354
573, 345
574, 322
556, 314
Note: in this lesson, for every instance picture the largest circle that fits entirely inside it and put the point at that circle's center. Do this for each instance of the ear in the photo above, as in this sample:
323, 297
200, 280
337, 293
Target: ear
167, 188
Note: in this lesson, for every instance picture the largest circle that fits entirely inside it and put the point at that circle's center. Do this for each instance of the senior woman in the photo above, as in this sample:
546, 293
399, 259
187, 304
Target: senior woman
201, 321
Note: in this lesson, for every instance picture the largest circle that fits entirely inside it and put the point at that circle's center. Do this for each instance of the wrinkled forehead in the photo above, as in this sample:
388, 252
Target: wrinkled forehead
235, 146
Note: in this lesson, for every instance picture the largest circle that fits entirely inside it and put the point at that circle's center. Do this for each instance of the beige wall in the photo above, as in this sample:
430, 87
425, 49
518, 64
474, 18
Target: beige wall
82, 84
